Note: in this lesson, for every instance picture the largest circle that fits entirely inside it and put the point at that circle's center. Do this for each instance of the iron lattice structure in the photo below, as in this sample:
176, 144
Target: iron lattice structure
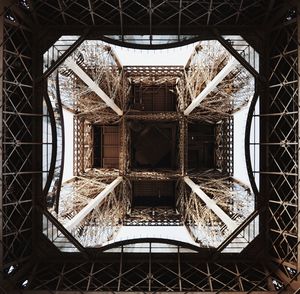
28, 28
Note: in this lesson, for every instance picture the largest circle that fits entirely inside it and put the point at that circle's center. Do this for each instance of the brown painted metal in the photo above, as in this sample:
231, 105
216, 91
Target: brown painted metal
153, 273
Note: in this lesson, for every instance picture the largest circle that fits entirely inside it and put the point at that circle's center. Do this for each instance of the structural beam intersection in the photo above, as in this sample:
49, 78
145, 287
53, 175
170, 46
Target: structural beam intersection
76, 220
71, 64
211, 204
232, 63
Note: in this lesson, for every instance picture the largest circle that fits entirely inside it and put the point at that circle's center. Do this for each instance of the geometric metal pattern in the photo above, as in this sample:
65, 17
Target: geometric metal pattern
150, 273
224, 140
282, 150
19, 120
272, 260
124, 18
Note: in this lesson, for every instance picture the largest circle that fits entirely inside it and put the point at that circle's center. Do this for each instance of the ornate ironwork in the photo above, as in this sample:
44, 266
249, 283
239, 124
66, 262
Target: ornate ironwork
33, 262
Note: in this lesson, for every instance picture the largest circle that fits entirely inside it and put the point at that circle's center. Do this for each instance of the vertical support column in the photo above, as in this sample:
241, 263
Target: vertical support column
120, 269
88, 145
182, 145
1, 130
150, 267
179, 268
298, 138
231, 144
78, 151
81, 142
76, 146
124, 147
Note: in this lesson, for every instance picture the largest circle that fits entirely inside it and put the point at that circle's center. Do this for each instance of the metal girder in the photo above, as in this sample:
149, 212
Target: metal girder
55, 63
78, 143
115, 58
1, 130
151, 273
232, 63
78, 278
211, 204
289, 284
136, 292
183, 147
18, 115
75, 221
71, 64
236, 55
153, 176
224, 145
192, 13
298, 192
280, 116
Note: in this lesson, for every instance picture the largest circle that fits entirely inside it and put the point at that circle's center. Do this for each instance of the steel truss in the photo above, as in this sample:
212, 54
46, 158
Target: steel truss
82, 145
40, 264
125, 18
280, 174
224, 142
20, 131
150, 274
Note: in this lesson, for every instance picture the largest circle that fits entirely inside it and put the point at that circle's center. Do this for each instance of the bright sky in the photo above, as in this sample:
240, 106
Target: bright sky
69, 136
174, 56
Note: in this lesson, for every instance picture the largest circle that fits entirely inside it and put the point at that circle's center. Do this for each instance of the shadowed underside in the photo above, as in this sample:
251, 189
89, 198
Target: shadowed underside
28, 258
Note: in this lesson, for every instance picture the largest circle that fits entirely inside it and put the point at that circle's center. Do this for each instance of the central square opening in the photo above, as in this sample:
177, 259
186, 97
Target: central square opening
106, 146
153, 97
153, 145
153, 194
201, 146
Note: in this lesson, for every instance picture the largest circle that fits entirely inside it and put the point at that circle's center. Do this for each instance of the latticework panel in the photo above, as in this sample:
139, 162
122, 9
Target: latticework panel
18, 123
132, 13
78, 145
88, 145
150, 274
281, 174
224, 145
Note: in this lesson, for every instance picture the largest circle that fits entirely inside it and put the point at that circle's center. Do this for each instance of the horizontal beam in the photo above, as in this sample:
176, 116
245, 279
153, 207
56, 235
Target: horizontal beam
76, 220
153, 116
71, 64
211, 204
202, 31
232, 63
144, 175
144, 292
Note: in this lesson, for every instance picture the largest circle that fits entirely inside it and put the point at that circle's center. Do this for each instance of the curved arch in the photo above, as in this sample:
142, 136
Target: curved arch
247, 141
153, 240
154, 46
54, 142
60, 110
